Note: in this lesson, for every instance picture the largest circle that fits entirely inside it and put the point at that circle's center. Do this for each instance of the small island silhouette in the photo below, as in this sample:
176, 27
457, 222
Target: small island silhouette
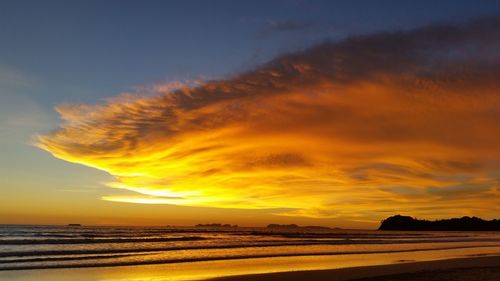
400, 222
216, 225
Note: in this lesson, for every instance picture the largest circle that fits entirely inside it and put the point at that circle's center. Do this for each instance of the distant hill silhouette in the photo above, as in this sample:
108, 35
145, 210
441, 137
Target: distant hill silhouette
399, 222
274, 225
294, 226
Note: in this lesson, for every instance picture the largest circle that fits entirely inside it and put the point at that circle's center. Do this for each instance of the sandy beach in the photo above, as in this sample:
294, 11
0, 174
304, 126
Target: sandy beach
463, 269
460, 264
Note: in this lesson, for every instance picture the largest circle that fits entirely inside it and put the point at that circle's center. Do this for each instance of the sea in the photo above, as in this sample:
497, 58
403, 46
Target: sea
29, 247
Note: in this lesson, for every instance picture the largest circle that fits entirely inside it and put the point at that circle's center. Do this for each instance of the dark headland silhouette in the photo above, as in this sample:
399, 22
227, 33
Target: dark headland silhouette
399, 222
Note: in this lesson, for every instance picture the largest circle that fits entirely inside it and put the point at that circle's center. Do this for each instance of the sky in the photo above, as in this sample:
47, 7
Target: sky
335, 113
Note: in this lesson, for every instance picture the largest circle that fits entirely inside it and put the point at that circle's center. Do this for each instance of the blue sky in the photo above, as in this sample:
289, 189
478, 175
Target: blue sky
55, 52
86, 50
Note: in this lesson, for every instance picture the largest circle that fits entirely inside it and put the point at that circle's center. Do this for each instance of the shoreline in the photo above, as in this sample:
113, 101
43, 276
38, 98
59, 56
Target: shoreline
408, 270
339, 267
234, 258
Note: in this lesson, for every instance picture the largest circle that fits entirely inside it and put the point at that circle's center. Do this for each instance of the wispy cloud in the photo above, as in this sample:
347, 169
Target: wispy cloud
387, 121
20, 114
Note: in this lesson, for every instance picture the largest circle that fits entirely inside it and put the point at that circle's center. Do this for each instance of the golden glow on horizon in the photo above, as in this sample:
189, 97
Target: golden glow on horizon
304, 138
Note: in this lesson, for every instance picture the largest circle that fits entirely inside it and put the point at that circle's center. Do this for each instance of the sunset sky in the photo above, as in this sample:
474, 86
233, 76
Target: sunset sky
336, 113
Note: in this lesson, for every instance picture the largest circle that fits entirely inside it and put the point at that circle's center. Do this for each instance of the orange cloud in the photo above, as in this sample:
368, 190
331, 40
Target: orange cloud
369, 126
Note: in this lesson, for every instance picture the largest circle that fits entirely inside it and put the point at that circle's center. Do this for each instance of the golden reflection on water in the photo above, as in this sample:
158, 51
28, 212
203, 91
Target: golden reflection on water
211, 269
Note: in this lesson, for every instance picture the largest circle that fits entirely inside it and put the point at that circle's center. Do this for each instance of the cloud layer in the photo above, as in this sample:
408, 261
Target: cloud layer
405, 121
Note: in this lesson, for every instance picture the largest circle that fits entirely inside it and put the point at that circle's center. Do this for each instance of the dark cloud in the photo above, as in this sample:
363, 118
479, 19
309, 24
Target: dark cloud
465, 189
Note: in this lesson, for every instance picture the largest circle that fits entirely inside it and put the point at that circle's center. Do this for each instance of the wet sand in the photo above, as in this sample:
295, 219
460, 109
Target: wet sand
482, 263
462, 269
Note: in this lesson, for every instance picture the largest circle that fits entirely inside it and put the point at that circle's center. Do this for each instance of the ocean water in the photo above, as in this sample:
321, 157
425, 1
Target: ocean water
42, 247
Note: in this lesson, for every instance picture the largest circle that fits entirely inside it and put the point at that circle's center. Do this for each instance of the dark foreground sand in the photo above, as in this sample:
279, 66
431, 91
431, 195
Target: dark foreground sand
464, 274
463, 269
